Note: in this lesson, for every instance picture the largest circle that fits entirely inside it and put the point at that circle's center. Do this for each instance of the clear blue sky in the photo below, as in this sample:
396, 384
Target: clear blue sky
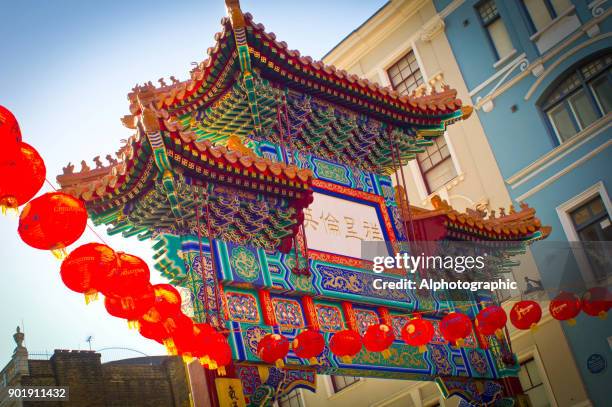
66, 67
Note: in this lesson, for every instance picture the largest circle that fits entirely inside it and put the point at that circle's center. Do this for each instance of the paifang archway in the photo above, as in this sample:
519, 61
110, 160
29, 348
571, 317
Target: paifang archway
242, 168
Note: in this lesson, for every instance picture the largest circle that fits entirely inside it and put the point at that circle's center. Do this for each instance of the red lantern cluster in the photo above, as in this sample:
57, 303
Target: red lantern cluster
273, 348
491, 320
565, 307
418, 332
346, 344
455, 327
525, 314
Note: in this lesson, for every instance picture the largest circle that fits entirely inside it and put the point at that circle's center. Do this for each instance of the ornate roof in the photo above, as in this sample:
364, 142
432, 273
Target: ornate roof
475, 225
255, 87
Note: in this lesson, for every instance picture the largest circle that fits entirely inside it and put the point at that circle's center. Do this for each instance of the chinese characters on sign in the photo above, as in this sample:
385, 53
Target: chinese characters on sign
230, 392
340, 226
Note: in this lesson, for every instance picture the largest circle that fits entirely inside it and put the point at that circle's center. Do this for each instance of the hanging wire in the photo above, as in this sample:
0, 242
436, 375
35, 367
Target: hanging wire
211, 243
202, 270
401, 201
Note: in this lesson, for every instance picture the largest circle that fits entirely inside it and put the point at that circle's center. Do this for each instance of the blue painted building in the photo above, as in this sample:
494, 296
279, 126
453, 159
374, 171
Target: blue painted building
539, 75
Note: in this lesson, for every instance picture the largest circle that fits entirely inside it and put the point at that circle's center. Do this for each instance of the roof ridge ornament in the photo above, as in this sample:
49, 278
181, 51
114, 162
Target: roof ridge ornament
235, 13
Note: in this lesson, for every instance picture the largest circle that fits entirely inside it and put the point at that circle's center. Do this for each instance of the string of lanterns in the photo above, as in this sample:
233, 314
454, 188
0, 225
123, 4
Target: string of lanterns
55, 220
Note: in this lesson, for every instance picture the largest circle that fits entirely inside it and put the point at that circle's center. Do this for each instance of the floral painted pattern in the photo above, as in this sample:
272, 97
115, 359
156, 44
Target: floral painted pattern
330, 318
288, 313
242, 307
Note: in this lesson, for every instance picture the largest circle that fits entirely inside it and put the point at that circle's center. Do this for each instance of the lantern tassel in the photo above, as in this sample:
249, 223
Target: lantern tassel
89, 297
133, 324
9, 205
422, 349
60, 253
571, 322
533, 327
205, 360
313, 361
602, 315
264, 372
221, 371
460, 342
213, 365
170, 347
187, 359
346, 359
279, 363
386, 353
499, 334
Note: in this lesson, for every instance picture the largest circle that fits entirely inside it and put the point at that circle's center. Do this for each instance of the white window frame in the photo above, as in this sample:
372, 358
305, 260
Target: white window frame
533, 353
300, 395
413, 167
564, 212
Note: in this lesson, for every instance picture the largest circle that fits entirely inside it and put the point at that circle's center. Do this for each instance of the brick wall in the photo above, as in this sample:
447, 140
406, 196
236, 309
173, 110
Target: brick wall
135, 383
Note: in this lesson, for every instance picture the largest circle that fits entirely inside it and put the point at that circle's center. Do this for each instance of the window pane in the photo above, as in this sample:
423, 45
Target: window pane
583, 108
602, 88
562, 122
488, 11
538, 397
568, 85
581, 215
538, 12
500, 38
439, 175
405, 75
560, 5
534, 374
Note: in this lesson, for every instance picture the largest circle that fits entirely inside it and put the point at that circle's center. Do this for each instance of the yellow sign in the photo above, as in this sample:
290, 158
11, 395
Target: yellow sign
230, 392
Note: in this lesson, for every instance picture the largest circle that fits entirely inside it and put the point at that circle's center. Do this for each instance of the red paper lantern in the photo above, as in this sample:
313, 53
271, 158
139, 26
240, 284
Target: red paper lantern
596, 302
455, 327
178, 328
9, 128
202, 342
565, 307
167, 302
378, 338
308, 344
132, 271
221, 353
131, 306
87, 268
52, 221
346, 344
525, 314
22, 174
418, 332
152, 330
491, 320
273, 348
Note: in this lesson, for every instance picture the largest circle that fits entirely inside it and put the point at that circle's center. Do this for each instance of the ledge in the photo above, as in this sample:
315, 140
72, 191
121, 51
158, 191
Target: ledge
564, 148
505, 59
537, 35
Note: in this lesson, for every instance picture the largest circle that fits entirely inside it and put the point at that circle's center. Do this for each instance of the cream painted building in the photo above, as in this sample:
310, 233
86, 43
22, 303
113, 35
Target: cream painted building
403, 45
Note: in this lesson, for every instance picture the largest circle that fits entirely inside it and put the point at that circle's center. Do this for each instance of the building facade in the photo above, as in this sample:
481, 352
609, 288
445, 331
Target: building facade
139, 382
539, 75
406, 45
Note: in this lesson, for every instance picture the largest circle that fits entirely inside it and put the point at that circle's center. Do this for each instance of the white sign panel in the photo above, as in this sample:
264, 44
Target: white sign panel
339, 226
